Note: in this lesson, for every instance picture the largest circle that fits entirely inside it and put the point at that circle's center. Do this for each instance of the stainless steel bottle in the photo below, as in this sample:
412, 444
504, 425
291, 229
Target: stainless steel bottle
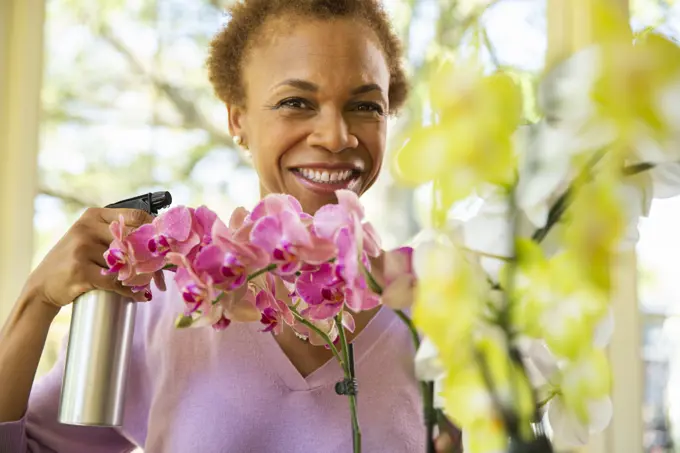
99, 347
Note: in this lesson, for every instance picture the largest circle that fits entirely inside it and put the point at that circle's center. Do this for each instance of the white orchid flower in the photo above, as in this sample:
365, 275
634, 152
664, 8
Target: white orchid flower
578, 403
564, 96
430, 368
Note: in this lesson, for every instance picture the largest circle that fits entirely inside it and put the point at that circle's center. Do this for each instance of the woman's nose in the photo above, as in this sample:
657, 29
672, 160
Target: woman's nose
332, 133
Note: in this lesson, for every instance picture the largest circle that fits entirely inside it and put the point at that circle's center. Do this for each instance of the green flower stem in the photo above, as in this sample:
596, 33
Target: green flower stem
349, 374
550, 396
264, 270
252, 276
372, 282
560, 207
325, 337
426, 388
411, 327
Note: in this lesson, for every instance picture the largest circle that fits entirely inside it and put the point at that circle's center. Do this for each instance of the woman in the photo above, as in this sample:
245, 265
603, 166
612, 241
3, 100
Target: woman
309, 85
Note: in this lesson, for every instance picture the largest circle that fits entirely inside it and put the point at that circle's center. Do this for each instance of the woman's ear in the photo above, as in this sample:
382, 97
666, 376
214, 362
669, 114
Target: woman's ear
236, 121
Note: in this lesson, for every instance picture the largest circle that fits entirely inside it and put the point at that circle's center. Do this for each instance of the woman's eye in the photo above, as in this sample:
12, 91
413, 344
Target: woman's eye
370, 107
293, 103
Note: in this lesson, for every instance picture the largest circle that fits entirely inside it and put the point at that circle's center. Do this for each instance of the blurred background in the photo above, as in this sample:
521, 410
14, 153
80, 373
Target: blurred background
125, 107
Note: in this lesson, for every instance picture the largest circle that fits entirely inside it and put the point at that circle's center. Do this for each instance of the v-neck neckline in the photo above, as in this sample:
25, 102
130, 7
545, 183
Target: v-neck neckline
330, 371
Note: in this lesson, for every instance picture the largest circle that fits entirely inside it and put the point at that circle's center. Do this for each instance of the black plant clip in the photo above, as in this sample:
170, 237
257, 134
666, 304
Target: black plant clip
348, 386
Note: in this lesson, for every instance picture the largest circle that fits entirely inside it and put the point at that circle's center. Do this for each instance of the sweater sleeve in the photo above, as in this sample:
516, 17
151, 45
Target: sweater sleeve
39, 431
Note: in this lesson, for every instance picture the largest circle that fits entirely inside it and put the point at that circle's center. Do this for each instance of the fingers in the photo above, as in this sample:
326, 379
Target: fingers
110, 282
97, 256
159, 280
133, 217
443, 444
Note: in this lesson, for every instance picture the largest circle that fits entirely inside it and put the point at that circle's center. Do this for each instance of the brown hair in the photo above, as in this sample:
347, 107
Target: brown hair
230, 46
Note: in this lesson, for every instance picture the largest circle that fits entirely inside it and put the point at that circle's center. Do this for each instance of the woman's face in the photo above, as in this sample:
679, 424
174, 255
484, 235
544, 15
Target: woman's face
315, 115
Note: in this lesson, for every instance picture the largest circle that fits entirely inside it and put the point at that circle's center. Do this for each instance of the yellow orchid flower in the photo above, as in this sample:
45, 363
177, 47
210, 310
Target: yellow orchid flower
553, 300
450, 295
470, 142
629, 90
485, 435
594, 226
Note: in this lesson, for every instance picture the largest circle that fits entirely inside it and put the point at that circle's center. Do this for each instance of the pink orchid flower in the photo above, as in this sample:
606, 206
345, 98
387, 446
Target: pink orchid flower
348, 213
323, 292
274, 204
399, 278
283, 231
239, 259
220, 315
274, 310
203, 220
129, 257
198, 283
240, 224
350, 267
356, 241
177, 230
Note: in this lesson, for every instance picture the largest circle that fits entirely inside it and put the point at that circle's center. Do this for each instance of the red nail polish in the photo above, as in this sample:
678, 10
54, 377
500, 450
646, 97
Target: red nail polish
147, 294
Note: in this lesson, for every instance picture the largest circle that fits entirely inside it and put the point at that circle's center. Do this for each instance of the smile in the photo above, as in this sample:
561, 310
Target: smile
327, 180
326, 176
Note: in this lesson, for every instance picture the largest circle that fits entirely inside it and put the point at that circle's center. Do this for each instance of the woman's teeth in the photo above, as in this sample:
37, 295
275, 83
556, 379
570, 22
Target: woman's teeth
326, 176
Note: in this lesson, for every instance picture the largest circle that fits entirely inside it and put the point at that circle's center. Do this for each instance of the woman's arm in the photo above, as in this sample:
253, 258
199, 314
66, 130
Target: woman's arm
21, 344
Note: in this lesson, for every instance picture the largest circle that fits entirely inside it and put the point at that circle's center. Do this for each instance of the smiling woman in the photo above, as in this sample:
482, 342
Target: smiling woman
308, 86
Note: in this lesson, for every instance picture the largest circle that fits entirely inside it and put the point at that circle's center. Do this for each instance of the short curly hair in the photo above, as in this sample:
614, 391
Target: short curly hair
230, 46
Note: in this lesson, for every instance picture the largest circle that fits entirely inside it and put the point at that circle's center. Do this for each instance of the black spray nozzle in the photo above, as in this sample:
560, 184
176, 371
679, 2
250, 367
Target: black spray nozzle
150, 202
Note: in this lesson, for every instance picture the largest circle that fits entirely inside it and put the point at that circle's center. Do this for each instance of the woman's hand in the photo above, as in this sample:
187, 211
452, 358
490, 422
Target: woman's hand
73, 266
450, 439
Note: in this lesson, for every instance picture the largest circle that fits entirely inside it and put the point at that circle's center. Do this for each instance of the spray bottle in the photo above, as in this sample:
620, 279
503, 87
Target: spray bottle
99, 345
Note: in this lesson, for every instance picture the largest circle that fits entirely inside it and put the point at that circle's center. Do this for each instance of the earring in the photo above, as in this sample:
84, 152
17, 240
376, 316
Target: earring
239, 142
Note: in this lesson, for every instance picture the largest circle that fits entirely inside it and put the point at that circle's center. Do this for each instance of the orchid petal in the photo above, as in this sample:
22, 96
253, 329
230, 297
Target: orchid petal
329, 219
266, 233
371, 244
568, 431
350, 201
238, 218
293, 229
117, 228
348, 321
175, 222
428, 365
205, 219
600, 413
240, 308
399, 294
320, 251
604, 330
323, 311
308, 290
397, 262
210, 260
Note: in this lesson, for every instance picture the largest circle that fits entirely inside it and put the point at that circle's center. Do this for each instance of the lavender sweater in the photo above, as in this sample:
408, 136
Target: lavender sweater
235, 391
